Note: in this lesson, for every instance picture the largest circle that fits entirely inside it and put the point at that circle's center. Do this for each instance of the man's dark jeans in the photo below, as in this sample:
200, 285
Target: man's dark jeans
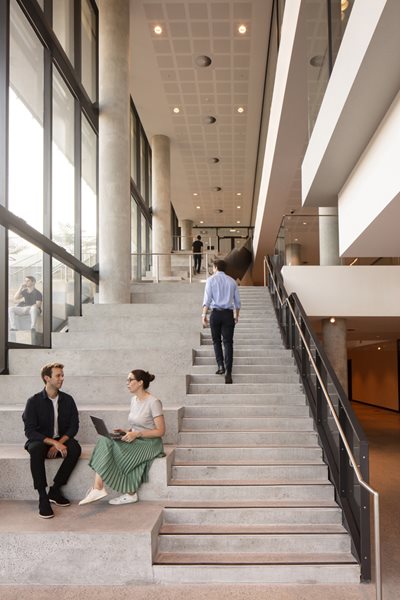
38, 452
197, 262
222, 325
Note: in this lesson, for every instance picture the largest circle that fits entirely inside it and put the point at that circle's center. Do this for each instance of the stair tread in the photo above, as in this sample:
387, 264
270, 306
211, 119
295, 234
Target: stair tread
248, 463
253, 558
247, 482
211, 529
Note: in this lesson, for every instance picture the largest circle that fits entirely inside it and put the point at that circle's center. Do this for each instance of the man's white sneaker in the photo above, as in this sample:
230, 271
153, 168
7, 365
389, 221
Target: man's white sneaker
93, 495
124, 499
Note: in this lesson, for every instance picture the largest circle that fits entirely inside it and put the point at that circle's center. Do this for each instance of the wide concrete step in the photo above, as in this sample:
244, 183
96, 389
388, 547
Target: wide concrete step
249, 517
247, 455
248, 341
113, 339
243, 388
250, 335
244, 399
246, 424
237, 412
237, 545
277, 362
249, 369
266, 378
245, 351
276, 493
244, 438
315, 472
274, 569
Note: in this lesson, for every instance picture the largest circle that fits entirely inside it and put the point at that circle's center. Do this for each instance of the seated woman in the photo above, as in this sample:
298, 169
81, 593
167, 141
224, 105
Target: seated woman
124, 465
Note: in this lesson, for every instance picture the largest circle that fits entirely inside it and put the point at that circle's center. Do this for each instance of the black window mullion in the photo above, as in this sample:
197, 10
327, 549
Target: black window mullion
78, 205
4, 82
47, 194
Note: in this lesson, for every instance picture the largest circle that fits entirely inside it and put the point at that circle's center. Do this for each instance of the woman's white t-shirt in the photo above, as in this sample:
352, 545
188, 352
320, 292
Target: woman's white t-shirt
143, 413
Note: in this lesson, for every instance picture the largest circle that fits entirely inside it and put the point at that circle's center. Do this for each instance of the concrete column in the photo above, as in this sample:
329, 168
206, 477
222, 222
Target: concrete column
328, 236
293, 254
161, 202
334, 340
114, 152
186, 234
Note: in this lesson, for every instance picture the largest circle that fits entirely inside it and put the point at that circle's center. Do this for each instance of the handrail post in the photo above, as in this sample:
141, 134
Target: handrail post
190, 268
207, 273
265, 274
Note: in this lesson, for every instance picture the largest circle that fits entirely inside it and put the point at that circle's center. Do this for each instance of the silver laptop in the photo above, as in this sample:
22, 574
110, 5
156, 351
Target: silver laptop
101, 429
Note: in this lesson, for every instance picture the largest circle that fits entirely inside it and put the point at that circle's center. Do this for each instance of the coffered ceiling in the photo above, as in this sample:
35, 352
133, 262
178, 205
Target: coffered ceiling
167, 74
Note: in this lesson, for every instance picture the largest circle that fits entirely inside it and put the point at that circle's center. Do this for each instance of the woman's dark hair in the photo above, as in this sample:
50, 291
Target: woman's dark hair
144, 376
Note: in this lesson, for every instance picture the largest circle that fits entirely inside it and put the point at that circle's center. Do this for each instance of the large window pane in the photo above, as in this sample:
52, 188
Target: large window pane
63, 164
143, 172
25, 288
133, 147
143, 243
25, 121
63, 294
134, 238
89, 193
89, 45
63, 25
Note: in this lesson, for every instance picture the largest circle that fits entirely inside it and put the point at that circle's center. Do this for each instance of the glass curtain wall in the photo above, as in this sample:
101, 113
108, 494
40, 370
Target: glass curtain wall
48, 163
140, 198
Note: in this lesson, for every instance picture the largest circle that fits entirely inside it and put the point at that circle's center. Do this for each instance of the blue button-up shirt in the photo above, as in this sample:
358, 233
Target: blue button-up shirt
221, 292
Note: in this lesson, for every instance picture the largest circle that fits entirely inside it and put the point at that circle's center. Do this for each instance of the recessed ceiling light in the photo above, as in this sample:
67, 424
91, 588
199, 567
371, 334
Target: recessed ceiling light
238, 193
195, 194
158, 29
332, 320
197, 206
242, 29
203, 61
240, 109
232, 230
317, 60
176, 110
238, 207
238, 222
304, 222
379, 348
201, 222
296, 239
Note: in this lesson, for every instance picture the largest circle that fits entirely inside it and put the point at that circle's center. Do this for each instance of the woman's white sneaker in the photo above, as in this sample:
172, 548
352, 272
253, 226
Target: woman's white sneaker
124, 499
93, 495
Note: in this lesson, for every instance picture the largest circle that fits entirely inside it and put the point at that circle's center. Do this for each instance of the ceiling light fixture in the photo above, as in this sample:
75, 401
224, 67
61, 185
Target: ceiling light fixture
238, 222
197, 207
240, 109
304, 222
214, 160
195, 194
203, 61
238, 193
201, 222
242, 29
176, 110
379, 348
238, 207
158, 29
216, 189
332, 320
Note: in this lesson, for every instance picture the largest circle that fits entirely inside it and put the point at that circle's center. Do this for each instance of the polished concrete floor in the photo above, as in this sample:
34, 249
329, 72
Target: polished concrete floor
383, 430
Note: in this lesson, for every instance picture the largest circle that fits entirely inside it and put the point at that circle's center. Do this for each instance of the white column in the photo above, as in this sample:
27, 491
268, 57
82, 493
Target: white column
114, 152
293, 255
161, 202
186, 234
328, 237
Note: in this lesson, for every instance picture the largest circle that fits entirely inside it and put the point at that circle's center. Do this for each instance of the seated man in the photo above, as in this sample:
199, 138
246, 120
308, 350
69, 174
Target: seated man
51, 423
31, 303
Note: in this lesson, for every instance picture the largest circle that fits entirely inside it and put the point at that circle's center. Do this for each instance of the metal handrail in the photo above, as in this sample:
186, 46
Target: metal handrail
206, 254
353, 463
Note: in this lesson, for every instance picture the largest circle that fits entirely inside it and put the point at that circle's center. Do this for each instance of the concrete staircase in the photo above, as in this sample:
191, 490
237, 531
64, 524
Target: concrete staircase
243, 493
259, 504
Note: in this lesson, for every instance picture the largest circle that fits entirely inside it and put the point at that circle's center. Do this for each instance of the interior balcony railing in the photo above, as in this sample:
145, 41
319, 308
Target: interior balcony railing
344, 443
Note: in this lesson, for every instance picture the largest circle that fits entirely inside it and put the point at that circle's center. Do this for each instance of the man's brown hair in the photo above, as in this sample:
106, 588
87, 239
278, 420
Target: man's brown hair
47, 369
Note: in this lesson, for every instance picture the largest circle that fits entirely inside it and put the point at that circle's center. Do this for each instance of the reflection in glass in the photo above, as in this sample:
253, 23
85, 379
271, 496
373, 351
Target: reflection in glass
133, 147
143, 243
88, 291
63, 25
89, 45
25, 121
89, 193
134, 238
62, 294
143, 172
25, 288
63, 164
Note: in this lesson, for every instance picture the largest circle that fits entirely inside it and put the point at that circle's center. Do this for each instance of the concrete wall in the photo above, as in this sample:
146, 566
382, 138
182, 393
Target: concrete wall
375, 375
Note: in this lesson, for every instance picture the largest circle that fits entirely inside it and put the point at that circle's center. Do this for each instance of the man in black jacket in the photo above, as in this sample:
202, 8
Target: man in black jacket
51, 423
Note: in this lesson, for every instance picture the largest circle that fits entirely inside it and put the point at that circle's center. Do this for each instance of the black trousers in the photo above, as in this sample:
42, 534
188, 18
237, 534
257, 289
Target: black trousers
222, 325
197, 262
38, 452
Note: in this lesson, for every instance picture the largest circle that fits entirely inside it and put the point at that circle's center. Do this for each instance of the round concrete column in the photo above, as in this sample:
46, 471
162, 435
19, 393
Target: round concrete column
292, 254
161, 202
334, 340
328, 236
186, 234
114, 152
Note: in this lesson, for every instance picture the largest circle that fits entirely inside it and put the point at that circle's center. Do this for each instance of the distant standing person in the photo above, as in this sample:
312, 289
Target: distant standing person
197, 253
30, 303
51, 424
221, 295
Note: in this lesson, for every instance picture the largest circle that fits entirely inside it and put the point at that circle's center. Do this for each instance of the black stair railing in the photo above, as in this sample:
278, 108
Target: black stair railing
343, 441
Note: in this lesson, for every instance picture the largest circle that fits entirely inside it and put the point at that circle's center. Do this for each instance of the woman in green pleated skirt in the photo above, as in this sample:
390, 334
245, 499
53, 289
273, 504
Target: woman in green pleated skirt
123, 465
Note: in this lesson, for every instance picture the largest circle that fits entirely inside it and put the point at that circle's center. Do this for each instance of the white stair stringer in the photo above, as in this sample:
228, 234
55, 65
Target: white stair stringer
254, 503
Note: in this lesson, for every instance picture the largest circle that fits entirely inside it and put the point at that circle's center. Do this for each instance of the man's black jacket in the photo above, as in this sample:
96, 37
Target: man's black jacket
38, 417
